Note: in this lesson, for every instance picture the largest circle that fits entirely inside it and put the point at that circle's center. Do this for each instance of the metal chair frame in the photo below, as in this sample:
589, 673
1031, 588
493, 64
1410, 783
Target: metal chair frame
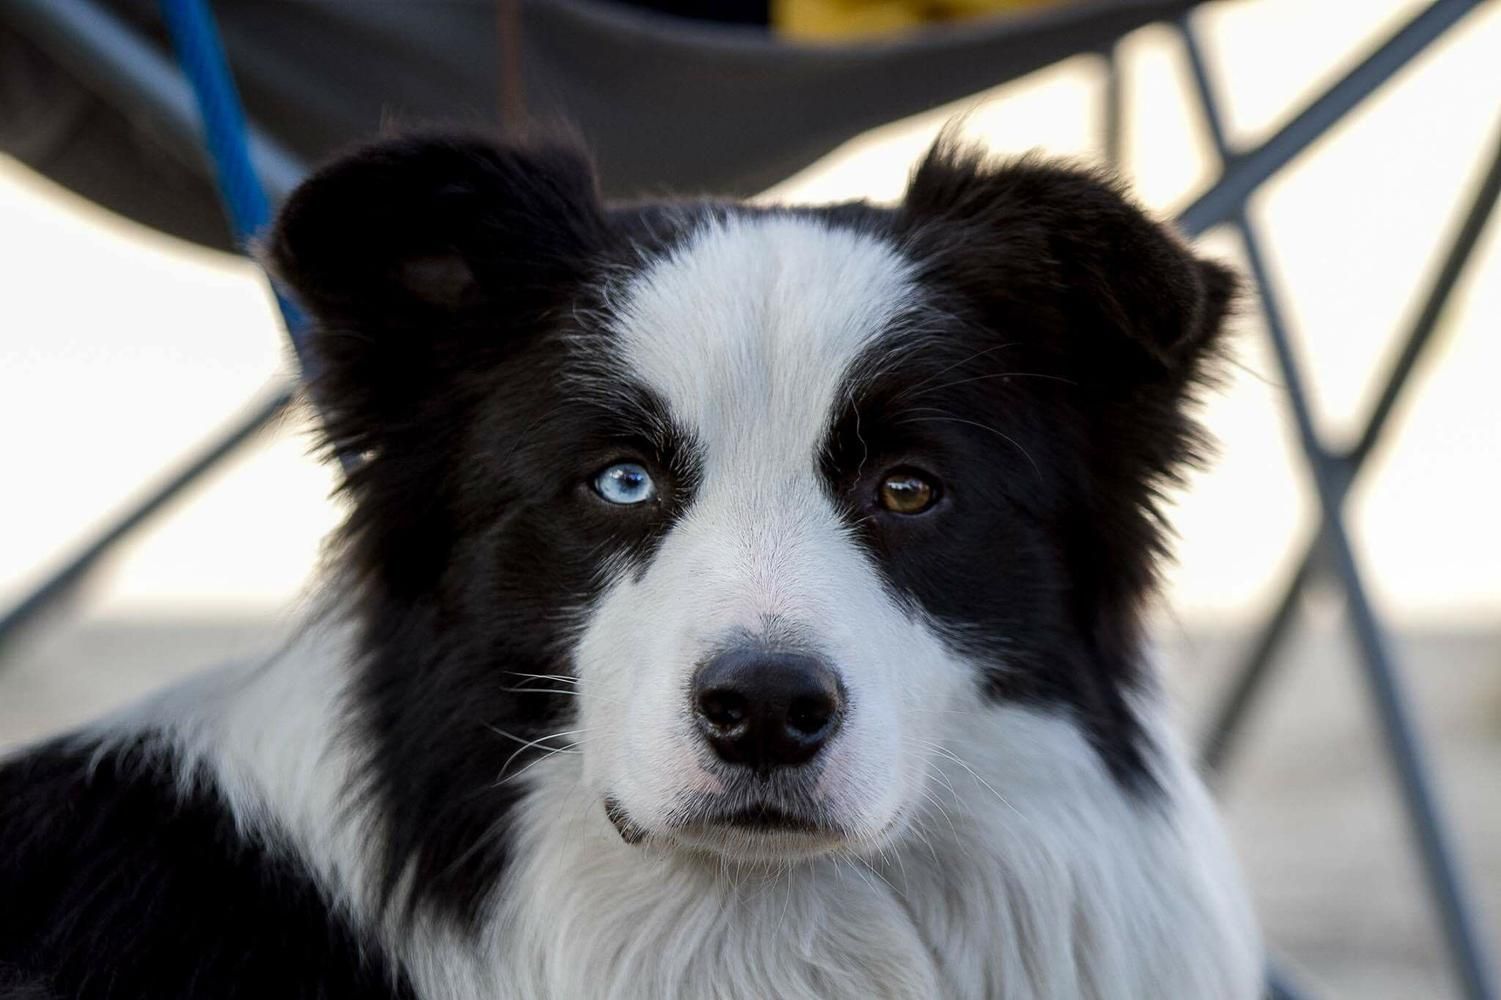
1333, 472
101, 50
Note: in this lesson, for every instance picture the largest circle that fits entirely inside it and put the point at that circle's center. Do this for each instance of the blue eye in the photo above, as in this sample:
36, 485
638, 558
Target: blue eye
625, 483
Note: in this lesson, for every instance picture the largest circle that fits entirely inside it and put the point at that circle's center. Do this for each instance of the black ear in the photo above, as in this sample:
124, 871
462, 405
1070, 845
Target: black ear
1074, 229
426, 257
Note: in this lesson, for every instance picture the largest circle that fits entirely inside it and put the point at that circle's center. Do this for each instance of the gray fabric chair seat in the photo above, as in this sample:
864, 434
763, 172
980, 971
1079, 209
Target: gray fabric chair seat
665, 103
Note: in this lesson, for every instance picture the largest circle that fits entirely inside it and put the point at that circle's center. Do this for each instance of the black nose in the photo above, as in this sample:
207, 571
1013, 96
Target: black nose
766, 709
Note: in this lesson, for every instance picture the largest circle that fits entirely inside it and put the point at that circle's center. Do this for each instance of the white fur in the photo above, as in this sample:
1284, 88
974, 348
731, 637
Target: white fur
992, 856
748, 332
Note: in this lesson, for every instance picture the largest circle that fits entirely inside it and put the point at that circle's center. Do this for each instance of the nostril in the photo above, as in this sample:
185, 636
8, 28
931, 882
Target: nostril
723, 709
809, 715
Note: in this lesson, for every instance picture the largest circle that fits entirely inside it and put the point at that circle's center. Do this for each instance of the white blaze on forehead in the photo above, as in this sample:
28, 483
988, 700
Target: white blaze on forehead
750, 327
748, 331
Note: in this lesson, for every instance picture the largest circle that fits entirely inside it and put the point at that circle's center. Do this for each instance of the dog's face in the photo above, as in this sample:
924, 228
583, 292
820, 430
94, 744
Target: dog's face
761, 681
746, 507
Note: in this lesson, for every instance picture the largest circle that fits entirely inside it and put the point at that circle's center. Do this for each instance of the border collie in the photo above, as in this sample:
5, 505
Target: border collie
735, 602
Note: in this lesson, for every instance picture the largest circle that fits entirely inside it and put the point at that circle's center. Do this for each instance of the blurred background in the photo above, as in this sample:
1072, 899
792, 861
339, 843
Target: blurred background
121, 348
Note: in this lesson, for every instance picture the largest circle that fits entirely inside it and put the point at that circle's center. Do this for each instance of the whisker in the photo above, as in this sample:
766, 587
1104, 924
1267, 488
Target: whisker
921, 834
526, 742
784, 875
849, 857
529, 744
570, 748
983, 378
944, 371
938, 804
563, 692
946, 752
566, 678
901, 865
538, 742
870, 868
984, 427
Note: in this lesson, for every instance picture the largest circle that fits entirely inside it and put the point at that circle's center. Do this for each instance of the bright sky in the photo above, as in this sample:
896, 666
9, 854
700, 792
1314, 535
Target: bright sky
119, 348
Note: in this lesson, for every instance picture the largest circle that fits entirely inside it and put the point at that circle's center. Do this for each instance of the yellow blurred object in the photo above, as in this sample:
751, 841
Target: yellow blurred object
834, 20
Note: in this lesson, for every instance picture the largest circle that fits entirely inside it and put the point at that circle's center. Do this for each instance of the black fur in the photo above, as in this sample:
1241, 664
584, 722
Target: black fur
116, 884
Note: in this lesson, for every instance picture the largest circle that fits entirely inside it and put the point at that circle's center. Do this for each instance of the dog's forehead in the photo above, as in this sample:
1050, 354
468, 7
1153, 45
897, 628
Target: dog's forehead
750, 327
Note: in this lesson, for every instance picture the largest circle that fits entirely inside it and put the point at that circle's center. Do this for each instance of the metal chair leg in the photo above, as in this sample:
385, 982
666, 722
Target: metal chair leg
72, 574
1112, 108
1397, 726
1254, 670
1252, 676
1331, 475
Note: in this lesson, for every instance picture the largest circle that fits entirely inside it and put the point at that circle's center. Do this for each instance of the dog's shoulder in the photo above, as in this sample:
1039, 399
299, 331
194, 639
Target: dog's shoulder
124, 877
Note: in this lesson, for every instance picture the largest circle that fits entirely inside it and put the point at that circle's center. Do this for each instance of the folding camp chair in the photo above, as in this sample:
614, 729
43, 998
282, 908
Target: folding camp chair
586, 47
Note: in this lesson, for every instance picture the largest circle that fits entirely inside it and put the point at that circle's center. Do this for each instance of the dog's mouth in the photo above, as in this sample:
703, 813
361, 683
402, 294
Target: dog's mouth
621, 820
763, 817
763, 829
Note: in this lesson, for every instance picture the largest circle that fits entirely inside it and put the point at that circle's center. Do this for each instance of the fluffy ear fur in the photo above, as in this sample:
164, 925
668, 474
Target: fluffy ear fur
423, 259
1116, 270
1061, 261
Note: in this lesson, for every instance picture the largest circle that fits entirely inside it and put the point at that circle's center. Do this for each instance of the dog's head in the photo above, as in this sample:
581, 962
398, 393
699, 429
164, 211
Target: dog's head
746, 507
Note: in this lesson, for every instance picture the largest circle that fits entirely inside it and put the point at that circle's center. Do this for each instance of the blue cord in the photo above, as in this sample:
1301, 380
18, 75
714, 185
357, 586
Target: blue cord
200, 53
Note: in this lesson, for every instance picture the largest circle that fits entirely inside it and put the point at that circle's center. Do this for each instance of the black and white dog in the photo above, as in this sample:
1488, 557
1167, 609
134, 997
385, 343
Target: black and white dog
735, 602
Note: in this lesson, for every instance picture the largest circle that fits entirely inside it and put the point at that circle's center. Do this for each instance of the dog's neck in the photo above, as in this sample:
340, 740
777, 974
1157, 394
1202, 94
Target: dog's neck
1032, 874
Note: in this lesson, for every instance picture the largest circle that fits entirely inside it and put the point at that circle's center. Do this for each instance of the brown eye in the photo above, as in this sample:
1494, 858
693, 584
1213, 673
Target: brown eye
907, 492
